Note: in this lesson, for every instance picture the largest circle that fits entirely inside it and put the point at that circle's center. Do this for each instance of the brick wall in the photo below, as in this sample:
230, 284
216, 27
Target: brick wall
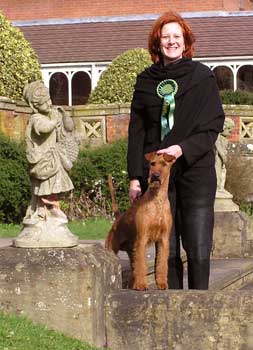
43, 9
99, 123
13, 118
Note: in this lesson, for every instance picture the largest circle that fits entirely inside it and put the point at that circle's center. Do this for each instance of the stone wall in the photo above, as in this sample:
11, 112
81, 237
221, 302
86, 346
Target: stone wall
95, 124
99, 124
177, 320
62, 288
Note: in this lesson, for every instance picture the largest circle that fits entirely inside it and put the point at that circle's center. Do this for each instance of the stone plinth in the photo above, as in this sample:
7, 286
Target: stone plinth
178, 320
233, 235
224, 202
63, 288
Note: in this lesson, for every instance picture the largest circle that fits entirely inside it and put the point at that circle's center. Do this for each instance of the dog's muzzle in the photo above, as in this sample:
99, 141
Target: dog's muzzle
155, 177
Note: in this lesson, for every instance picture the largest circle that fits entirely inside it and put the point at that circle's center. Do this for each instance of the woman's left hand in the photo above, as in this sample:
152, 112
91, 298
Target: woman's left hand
174, 150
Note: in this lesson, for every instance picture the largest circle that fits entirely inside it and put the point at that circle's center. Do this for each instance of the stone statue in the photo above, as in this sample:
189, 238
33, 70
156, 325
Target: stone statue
51, 150
222, 153
223, 201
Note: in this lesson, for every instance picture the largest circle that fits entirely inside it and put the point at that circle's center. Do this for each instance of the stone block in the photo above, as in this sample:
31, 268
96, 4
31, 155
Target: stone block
233, 236
62, 288
178, 320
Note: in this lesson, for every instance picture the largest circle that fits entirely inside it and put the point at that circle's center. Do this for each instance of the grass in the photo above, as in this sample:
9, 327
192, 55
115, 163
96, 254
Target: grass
19, 333
94, 228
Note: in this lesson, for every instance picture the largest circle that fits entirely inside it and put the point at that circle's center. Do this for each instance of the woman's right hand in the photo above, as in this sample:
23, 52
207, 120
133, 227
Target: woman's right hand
134, 190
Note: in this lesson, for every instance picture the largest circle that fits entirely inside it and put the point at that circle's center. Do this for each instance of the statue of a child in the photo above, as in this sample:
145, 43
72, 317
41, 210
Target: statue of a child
50, 150
221, 154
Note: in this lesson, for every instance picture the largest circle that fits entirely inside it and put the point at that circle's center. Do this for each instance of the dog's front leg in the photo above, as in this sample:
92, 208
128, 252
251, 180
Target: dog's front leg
139, 265
161, 275
130, 279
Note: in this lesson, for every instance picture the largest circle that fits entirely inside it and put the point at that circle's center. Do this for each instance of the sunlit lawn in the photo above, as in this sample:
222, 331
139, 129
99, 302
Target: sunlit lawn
19, 333
94, 228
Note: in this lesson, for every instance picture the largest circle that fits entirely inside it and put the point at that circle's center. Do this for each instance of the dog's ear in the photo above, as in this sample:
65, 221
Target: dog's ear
150, 155
169, 158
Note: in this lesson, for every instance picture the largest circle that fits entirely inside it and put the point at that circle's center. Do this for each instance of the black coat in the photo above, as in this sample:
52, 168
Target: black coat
198, 118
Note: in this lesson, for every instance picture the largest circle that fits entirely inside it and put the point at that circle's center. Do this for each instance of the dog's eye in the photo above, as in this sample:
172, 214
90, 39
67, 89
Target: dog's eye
152, 163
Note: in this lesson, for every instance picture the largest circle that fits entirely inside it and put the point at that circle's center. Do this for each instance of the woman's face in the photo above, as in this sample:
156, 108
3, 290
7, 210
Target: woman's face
172, 42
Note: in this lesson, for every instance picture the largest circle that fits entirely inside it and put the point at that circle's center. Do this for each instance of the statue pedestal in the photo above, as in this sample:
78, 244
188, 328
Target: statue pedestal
50, 233
224, 202
61, 288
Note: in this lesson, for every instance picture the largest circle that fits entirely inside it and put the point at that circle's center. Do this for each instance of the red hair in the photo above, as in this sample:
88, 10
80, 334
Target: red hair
155, 36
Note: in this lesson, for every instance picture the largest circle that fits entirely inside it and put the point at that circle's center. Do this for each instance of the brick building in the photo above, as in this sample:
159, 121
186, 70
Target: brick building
45, 9
76, 40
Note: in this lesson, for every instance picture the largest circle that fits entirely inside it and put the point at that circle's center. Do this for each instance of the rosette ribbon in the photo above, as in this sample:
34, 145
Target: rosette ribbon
167, 90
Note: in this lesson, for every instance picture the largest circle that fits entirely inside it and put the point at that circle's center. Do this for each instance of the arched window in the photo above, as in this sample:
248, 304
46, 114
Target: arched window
58, 89
81, 88
245, 78
224, 77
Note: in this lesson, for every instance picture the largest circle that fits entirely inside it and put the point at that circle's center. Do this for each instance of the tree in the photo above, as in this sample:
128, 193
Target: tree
116, 83
18, 62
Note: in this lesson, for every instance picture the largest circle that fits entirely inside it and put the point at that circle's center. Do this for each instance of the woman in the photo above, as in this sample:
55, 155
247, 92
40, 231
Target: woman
176, 110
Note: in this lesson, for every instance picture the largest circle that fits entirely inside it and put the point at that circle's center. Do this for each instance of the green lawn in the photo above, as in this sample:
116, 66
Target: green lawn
95, 228
18, 333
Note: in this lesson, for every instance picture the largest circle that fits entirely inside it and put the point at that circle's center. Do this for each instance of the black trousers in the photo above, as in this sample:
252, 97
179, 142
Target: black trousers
194, 227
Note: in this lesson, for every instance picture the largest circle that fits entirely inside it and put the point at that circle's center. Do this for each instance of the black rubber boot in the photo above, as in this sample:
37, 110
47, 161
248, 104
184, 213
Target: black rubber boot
198, 273
175, 273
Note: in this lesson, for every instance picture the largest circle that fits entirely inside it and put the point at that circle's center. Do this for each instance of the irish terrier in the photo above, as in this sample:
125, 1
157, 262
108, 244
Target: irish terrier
147, 220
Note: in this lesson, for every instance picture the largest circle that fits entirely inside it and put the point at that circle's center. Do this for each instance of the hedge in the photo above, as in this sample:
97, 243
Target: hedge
14, 181
18, 62
239, 97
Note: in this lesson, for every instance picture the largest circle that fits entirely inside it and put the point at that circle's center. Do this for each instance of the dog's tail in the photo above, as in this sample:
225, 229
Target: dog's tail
115, 207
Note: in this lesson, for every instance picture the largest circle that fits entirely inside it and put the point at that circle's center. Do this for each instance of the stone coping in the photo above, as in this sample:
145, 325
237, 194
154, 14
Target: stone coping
229, 274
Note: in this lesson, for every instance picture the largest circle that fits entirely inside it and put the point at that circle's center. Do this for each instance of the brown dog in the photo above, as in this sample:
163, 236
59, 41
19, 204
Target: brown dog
148, 220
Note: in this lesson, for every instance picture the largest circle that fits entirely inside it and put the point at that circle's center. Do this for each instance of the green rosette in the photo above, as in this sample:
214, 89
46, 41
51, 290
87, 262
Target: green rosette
167, 90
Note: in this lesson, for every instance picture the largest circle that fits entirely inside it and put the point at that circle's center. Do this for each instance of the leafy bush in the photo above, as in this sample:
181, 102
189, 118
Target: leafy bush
90, 175
18, 62
238, 97
117, 82
14, 181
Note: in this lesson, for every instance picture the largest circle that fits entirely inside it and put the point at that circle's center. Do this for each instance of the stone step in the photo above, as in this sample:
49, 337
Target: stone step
179, 320
226, 274
229, 274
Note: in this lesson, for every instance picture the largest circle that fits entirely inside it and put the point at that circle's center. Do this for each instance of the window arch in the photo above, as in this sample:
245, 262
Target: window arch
245, 78
81, 88
224, 77
58, 89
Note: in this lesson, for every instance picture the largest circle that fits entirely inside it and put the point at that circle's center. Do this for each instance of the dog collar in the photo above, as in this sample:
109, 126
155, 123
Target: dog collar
167, 89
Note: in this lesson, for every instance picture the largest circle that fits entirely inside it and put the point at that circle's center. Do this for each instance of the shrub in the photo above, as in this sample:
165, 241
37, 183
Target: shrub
90, 174
14, 181
18, 62
117, 82
238, 97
